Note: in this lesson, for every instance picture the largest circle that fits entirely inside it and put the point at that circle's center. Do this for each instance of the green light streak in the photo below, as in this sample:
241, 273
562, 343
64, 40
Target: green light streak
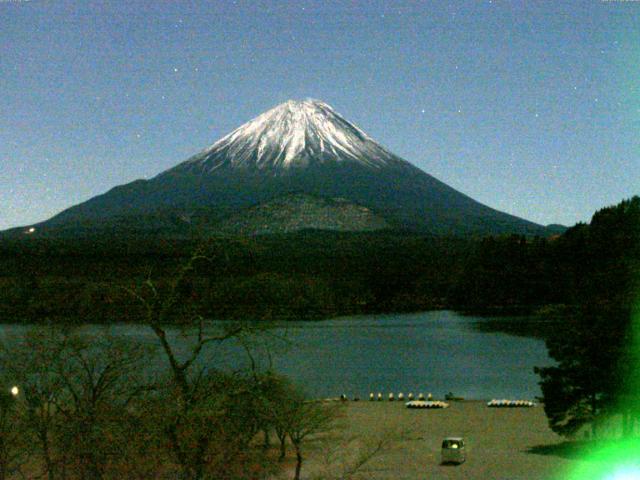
618, 459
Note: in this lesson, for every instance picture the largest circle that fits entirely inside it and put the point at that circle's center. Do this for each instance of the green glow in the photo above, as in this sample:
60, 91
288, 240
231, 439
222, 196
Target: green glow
617, 459
635, 338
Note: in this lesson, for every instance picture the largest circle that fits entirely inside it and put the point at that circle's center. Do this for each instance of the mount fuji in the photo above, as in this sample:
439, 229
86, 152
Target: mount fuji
297, 166
293, 135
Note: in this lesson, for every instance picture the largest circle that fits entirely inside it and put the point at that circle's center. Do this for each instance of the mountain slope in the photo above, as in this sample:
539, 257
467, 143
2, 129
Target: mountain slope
297, 212
296, 147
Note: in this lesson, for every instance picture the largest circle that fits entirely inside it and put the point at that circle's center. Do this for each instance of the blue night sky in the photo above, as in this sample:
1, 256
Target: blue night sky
532, 108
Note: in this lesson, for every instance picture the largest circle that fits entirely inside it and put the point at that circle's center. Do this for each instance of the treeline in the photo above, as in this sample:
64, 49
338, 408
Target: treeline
312, 275
588, 263
308, 275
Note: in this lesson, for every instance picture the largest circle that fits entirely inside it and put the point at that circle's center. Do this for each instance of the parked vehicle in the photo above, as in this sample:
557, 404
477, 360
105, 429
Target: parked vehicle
453, 450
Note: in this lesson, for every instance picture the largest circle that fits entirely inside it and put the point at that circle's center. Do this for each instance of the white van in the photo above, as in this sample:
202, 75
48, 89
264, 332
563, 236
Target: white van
453, 450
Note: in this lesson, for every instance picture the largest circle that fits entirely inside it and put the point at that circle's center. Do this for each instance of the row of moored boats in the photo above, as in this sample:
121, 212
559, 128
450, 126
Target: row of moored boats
504, 403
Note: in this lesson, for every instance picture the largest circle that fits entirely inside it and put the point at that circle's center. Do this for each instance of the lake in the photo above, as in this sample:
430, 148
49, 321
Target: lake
431, 352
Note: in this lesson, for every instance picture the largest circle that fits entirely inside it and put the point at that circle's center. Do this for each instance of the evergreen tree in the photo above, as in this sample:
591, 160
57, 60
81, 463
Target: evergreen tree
595, 348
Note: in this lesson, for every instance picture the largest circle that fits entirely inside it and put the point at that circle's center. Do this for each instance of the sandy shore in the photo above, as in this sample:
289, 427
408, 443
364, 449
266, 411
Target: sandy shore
501, 443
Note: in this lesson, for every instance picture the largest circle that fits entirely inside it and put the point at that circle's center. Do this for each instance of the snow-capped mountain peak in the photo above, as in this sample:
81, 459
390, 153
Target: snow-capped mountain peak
290, 135
299, 164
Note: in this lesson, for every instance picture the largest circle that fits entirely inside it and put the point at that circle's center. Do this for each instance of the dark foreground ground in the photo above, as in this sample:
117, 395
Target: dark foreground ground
501, 443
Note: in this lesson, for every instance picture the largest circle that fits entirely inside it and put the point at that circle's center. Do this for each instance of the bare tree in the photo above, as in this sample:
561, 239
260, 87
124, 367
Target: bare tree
305, 419
275, 405
351, 458
11, 442
74, 390
100, 375
193, 423
31, 363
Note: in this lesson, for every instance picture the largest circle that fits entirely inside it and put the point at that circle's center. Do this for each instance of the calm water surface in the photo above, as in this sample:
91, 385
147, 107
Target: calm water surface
431, 352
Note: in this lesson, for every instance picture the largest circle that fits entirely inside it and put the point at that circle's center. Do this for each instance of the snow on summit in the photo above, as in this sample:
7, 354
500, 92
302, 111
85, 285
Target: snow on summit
293, 134
297, 148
